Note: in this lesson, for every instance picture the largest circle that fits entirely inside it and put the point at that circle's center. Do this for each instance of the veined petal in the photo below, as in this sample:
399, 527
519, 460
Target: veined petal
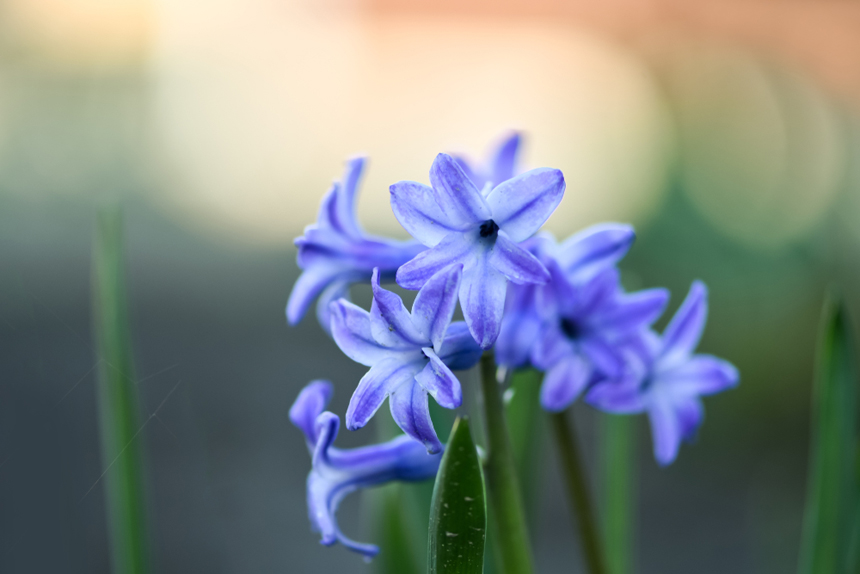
415, 207
456, 248
564, 383
685, 329
699, 375
482, 298
337, 290
595, 248
310, 403
504, 160
459, 350
516, 263
435, 304
523, 203
307, 286
665, 431
350, 328
382, 380
438, 380
390, 322
456, 195
411, 412
635, 311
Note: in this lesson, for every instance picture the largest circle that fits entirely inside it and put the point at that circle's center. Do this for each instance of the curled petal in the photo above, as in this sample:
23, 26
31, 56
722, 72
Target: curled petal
564, 383
522, 204
516, 263
310, 403
700, 375
456, 248
438, 380
595, 248
350, 328
390, 322
435, 304
411, 412
309, 284
337, 290
456, 194
415, 207
347, 195
685, 329
459, 350
382, 380
482, 298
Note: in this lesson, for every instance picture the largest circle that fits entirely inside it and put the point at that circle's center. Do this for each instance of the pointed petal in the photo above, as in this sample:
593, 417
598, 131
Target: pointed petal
324, 496
595, 248
390, 322
482, 298
685, 329
455, 248
635, 311
350, 328
310, 403
435, 304
665, 431
337, 290
456, 195
307, 286
382, 380
479, 179
522, 204
505, 158
516, 263
564, 383
691, 414
411, 413
415, 207
347, 194
438, 380
700, 375
459, 350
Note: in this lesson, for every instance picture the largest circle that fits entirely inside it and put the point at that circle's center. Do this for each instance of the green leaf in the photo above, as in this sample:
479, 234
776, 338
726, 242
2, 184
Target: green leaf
119, 422
458, 515
832, 487
525, 424
619, 473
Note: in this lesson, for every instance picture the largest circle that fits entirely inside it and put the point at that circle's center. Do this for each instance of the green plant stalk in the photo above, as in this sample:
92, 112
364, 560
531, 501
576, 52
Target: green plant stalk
577, 491
119, 422
507, 516
618, 504
831, 502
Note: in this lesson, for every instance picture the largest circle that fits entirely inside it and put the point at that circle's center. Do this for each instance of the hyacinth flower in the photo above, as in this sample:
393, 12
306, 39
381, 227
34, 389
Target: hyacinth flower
482, 233
577, 326
501, 165
410, 355
339, 472
667, 380
336, 252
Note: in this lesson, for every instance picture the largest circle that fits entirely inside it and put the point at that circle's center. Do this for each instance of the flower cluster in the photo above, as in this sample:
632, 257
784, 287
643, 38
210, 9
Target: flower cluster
558, 307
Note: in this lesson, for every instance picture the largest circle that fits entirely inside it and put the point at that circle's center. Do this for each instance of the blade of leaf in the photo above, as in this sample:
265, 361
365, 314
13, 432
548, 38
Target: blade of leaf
119, 422
458, 516
832, 483
619, 470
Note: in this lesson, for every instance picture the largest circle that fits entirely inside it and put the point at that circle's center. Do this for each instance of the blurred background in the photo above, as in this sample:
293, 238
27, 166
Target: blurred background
726, 131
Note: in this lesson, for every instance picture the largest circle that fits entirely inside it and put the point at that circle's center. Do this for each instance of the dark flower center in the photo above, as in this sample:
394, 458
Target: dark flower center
489, 228
570, 328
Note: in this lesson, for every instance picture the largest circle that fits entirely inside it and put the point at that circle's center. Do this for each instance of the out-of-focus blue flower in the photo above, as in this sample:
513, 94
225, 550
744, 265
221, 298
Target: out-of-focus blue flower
576, 327
336, 252
409, 354
463, 226
666, 379
500, 166
338, 472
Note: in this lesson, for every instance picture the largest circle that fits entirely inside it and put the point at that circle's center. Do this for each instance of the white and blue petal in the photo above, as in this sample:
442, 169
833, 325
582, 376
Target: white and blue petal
435, 304
523, 203
438, 380
410, 410
390, 323
515, 263
482, 298
310, 404
384, 379
699, 375
564, 382
350, 328
309, 284
415, 207
595, 248
459, 350
456, 194
455, 249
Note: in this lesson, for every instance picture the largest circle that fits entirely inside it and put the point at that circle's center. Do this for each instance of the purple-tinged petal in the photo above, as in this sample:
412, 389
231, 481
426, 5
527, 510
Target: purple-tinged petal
635, 311
665, 431
310, 403
346, 197
390, 323
550, 347
337, 290
700, 375
456, 248
415, 207
595, 248
383, 379
516, 263
456, 195
685, 329
599, 293
564, 383
690, 413
438, 380
478, 178
307, 286
607, 359
459, 350
504, 161
520, 327
411, 412
621, 397
482, 298
522, 204
350, 328
435, 304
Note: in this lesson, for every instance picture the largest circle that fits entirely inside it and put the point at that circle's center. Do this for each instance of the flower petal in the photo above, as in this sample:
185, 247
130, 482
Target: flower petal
455, 248
482, 298
438, 380
339, 289
522, 204
347, 193
350, 328
435, 304
307, 286
595, 248
606, 358
459, 350
685, 329
520, 327
564, 383
690, 414
456, 195
621, 397
665, 431
382, 380
415, 207
504, 161
550, 347
634, 311
310, 403
390, 322
516, 263
700, 375
412, 414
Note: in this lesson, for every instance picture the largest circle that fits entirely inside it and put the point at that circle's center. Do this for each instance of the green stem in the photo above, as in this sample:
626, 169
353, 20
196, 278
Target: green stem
618, 499
577, 491
506, 506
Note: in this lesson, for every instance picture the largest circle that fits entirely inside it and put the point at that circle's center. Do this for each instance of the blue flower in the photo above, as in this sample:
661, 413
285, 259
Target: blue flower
336, 252
576, 327
462, 226
409, 355
501, 165
668, 380
338, 472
